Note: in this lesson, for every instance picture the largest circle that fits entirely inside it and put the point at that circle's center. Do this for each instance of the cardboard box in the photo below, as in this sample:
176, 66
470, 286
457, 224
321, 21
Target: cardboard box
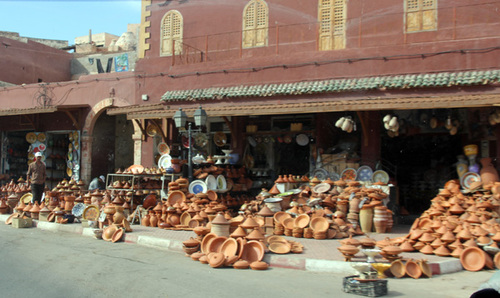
21, 223
43, 216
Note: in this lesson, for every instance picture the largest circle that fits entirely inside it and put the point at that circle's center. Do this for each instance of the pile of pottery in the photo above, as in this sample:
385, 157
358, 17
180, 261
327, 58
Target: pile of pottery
347, 208
460, 224
243, 248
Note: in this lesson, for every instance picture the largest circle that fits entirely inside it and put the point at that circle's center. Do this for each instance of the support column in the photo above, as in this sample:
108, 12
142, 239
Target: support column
86, 159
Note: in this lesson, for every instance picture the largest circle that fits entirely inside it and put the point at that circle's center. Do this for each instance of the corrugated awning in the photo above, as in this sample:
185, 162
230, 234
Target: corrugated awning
326, 105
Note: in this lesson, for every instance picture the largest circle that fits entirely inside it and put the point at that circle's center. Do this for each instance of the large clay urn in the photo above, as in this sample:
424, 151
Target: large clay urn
366, 218
488, 172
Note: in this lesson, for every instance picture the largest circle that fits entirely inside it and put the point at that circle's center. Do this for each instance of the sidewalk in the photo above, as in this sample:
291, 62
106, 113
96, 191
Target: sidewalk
318, 255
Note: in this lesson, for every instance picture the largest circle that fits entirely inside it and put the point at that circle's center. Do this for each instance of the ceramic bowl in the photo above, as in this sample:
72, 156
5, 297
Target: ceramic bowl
206, 242
279, 247
319, 224
216, 244
253, 251
229, 248
302, 221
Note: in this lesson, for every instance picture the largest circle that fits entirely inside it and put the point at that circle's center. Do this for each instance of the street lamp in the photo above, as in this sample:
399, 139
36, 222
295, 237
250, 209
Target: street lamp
180, 118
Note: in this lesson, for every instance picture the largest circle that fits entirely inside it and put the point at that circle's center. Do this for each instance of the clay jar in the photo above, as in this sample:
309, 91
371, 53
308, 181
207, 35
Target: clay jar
366, 219
488, 172
354, 205
69, 202
119, 216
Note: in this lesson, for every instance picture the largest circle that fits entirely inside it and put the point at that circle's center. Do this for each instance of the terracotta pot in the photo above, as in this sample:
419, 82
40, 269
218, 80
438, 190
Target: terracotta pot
474, 259
366, 219
413, 269
259, 265
241, 264
488, 172
398, 269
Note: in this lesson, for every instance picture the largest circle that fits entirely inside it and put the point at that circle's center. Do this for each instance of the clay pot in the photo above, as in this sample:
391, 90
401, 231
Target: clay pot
426, 268
413, 269
216, 260
474, 259
398, 269
488, 172
145, 220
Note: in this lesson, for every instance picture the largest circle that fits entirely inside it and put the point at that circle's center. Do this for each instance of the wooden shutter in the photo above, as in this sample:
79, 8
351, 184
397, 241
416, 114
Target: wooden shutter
421, 15
171, 30
332, 16
255, 24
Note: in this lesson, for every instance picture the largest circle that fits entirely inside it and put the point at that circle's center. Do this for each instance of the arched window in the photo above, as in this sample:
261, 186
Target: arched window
332, 15
255, 24
171, 29
421, 15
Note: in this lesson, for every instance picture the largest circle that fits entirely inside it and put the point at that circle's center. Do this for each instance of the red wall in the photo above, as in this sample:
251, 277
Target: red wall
374, 29
26, 63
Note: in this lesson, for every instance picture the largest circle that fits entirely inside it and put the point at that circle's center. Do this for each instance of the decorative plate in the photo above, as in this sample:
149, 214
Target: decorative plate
69, 172
287, 139
321, 174
302, 139
197, 186
221, 182
211, 182
322, 187
220, 139
165, 161
201, 140
185, 141
91, 212
70, 155
285, 194
348, 174
41, 137
152, 130
78, 209
334, 176
31, 137
468, 178
42, 147
364, 173
26, 198
380, 176
163, 148
75, 136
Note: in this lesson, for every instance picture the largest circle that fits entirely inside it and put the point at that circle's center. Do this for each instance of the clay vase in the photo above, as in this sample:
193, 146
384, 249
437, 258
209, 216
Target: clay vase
366, 219
380, 219
69, 202
119, 216
153, 220
145, 221
488, 172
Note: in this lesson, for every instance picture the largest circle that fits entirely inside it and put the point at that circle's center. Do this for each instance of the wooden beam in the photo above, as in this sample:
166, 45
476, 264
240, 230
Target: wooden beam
73, 119
364, 129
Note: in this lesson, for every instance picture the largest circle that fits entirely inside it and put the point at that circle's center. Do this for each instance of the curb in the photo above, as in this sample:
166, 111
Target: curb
274, 260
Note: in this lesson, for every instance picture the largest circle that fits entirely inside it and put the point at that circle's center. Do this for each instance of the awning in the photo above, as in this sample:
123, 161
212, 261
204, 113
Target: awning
27, 111
330, 105
335, 86
134, 109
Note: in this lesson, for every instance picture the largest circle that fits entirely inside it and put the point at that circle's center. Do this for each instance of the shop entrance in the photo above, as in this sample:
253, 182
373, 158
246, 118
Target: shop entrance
112, 145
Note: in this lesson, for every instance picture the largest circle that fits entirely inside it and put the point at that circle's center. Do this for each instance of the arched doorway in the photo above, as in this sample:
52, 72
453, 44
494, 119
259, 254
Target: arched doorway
112, 145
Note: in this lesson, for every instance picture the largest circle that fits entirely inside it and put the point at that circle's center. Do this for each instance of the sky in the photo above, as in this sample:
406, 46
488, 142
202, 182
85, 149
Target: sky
67, 19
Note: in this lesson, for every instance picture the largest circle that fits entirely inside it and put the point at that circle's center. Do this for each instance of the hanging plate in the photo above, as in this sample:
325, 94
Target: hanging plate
221, 183
163, 148
348, 174
302, 139
321, 174
42, 147
91, 212
152, 130
380, 176
41, 137
201, 140
165, 161
220, 139
69, 172
31, 137
364, 173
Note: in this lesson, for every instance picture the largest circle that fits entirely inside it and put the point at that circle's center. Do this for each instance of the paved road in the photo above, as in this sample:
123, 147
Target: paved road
45, 264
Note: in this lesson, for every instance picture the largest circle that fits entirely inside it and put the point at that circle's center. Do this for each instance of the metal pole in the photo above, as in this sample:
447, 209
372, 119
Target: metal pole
190, 162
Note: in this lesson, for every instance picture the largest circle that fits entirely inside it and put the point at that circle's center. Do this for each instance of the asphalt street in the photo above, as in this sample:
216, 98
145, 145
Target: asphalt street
41, 263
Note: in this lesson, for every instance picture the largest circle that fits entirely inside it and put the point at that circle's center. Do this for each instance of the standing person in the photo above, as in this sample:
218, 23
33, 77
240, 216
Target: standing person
37, 175
97, 183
